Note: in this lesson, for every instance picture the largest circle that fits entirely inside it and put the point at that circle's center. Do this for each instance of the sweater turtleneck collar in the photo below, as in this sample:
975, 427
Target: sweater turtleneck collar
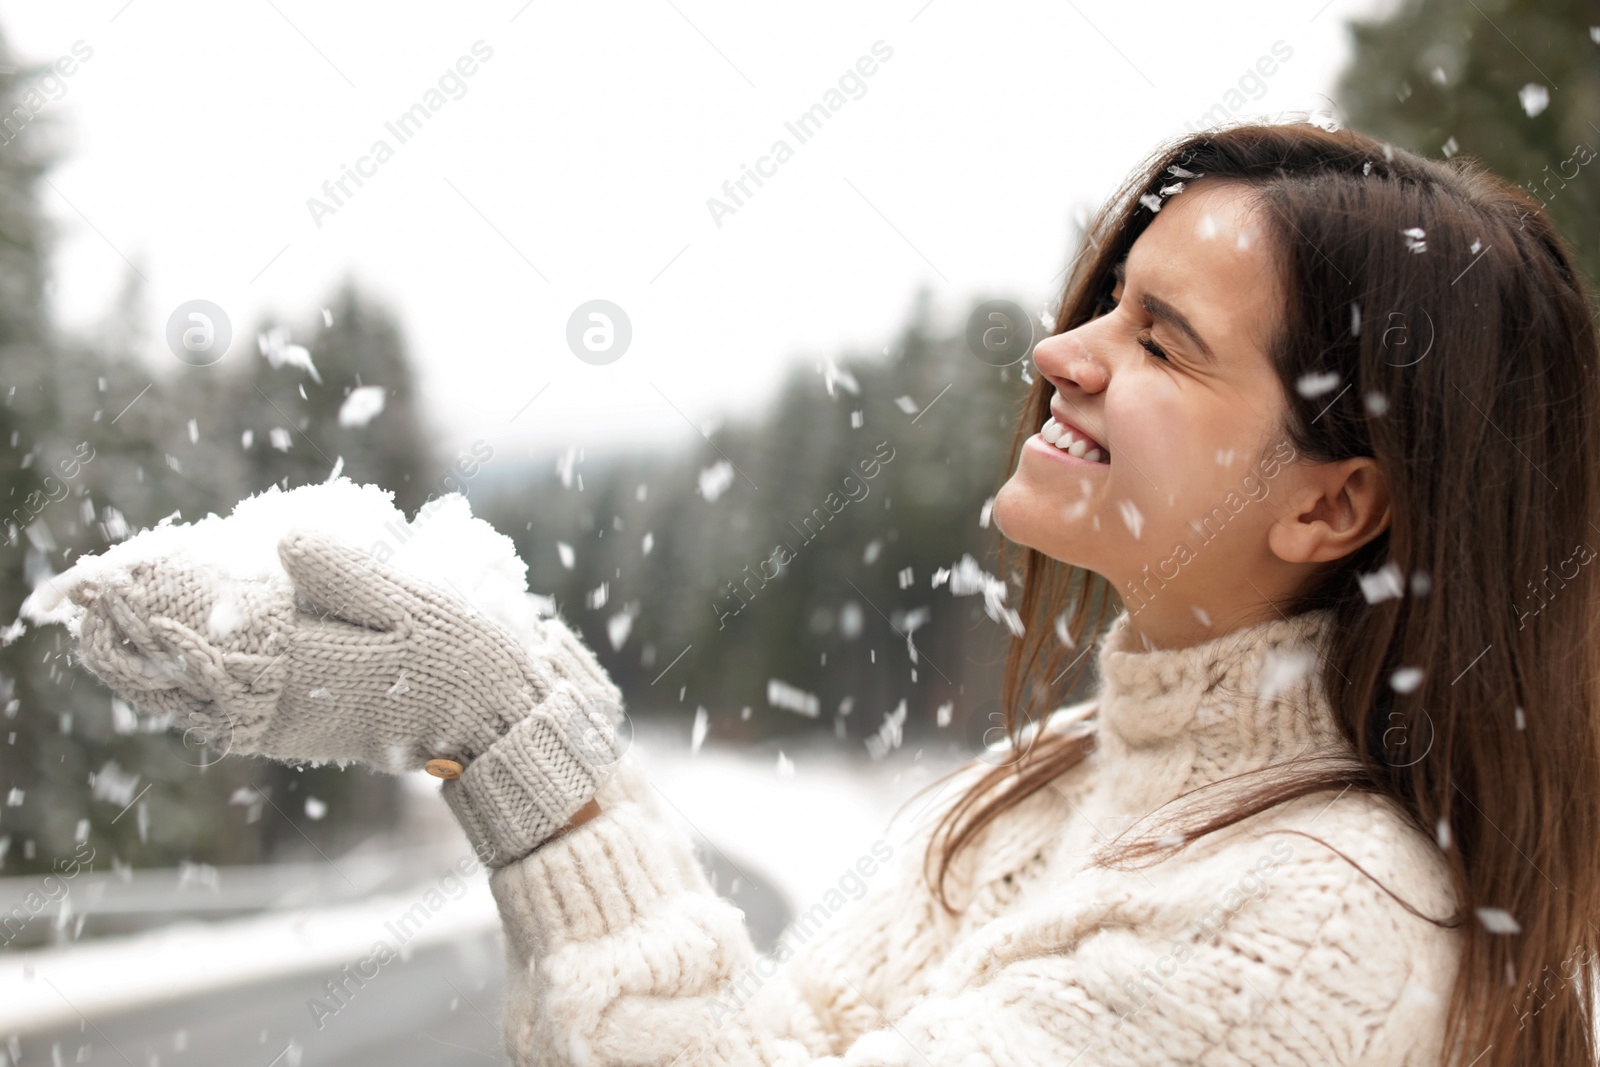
1174, 719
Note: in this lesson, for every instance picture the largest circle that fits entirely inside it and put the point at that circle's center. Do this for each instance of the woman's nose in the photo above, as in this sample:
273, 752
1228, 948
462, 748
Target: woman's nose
1066, 357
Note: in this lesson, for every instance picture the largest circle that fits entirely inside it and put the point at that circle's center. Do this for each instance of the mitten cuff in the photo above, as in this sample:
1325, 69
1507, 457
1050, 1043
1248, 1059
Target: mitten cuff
531, 781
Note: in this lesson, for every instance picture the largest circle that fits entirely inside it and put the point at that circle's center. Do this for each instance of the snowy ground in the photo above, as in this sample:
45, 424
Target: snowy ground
802, 824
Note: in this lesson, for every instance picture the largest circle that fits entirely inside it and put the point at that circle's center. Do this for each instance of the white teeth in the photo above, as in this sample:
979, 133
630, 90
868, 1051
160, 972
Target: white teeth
1069, 442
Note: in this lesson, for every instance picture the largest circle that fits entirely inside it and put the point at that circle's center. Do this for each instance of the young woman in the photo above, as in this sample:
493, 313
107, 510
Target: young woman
1318, 426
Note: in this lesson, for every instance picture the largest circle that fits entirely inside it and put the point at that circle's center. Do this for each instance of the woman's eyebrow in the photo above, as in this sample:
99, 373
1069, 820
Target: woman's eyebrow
1160, 309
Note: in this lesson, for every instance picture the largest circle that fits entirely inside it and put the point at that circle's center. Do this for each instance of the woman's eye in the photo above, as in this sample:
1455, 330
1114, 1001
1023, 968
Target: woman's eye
1149, 345
1108, 302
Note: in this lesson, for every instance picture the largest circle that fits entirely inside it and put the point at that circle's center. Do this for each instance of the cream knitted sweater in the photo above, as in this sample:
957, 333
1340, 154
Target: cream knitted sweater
1254, 945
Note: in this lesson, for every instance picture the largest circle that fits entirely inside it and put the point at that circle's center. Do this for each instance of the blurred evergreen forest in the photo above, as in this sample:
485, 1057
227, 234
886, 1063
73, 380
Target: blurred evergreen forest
185, 441
1442, 77
680, 553
642, 551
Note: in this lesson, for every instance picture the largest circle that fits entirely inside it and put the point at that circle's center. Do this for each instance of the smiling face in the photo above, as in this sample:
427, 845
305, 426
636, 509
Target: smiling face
1175, 382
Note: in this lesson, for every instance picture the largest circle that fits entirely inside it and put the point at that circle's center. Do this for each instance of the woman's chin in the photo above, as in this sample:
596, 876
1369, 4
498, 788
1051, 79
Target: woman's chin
1021, 520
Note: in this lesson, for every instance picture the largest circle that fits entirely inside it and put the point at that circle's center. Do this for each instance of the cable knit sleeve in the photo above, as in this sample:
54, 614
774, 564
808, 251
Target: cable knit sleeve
619, 951
1272, 950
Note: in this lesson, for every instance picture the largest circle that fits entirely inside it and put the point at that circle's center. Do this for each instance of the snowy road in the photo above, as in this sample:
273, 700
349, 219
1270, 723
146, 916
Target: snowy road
441, 1007
773, 832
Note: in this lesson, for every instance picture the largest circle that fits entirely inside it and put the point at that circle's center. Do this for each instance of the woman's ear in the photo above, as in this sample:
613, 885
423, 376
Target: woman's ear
1336, 509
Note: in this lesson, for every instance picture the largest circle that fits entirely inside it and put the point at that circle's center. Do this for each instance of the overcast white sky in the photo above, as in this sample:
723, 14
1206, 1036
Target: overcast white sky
578, 163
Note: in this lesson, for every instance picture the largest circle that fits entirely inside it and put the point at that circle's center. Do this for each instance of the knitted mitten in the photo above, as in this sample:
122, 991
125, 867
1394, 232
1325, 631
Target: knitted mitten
369, 665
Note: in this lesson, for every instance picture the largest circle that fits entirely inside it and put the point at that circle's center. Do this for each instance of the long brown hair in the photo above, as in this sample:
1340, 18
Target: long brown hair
1470, 370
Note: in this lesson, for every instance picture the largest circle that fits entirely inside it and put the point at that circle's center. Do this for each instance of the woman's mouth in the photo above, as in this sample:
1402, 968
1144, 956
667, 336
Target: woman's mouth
1072, 442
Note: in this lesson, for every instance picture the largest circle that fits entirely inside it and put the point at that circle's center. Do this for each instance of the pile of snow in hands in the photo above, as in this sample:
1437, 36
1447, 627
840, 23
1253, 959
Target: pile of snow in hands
444, 545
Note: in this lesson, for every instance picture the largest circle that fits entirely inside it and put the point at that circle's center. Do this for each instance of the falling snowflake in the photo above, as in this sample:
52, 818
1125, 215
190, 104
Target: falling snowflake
123, 718
1151, 201
1416, 238
832, 374
914, 619
906, 404
400, 687
1382, 584
1063, 634
1283, 667
279, 438
697, 734
850, 619
889, 734
967, 577
361, 406
1314, 385
1355, 317
1534, 98
315, 809
792, 698
1498, 921
274, 344
1132, 517
715, 480
564, 551
112, 783
618, 628
1406, 679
